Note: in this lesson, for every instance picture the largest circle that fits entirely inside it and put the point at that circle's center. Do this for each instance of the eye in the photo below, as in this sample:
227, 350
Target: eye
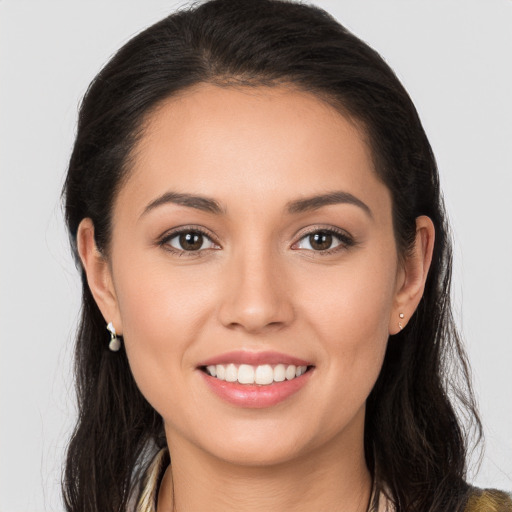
323, 240
190, 240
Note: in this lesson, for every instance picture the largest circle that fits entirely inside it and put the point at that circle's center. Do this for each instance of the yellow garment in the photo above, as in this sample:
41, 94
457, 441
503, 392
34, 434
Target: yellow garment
489, 500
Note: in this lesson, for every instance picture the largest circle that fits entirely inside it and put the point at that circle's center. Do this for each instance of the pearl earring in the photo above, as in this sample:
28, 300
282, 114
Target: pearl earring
401, 315
115, 342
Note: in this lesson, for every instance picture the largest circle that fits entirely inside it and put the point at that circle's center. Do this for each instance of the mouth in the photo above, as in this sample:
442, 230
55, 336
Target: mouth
255, 379
262, 374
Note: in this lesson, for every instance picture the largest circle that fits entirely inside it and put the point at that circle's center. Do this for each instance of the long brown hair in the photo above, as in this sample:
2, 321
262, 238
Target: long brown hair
412, 434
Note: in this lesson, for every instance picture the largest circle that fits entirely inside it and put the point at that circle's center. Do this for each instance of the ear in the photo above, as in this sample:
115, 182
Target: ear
99, 275
413, 275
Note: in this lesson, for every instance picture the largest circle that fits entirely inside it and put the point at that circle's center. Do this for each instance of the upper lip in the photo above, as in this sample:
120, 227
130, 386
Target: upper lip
254, 358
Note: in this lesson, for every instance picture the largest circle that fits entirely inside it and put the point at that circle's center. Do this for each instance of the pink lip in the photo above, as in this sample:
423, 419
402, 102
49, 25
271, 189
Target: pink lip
252, 395
254, 359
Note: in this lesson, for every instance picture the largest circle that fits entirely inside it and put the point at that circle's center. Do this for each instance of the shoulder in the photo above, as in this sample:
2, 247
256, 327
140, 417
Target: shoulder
489, 500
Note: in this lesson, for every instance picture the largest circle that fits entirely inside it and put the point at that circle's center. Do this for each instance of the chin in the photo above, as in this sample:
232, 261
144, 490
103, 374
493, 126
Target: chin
264, 454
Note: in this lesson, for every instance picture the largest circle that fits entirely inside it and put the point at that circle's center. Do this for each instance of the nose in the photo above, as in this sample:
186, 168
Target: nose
256, 295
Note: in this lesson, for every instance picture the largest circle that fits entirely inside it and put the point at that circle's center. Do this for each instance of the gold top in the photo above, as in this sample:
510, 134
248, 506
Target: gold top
489, 500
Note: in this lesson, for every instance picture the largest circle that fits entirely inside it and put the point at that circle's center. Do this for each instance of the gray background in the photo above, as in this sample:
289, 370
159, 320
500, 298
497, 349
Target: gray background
455, 59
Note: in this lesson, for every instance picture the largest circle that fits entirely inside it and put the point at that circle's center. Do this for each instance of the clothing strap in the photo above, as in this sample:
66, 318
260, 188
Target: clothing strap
149, 495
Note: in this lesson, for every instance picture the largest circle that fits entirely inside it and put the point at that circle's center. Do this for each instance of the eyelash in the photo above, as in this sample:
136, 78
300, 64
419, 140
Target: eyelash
165, 239
346, 241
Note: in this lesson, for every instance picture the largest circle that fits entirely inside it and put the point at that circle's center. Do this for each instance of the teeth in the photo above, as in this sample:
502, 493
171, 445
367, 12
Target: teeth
290, 372
279, 373
221, 372
231, 373
246, 374
263, 374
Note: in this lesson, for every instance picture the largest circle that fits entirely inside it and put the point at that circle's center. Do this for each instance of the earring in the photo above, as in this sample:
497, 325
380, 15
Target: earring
401, 315
115, 342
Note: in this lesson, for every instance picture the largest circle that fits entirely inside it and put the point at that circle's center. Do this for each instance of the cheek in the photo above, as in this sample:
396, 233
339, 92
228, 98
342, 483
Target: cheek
349, 311
352, 303
162, 313
158, 300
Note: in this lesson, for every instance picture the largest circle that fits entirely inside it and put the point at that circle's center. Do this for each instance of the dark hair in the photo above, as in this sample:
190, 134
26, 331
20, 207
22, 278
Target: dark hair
414, 440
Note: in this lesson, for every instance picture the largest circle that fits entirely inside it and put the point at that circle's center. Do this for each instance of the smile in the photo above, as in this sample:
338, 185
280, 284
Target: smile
263, 375
255, 379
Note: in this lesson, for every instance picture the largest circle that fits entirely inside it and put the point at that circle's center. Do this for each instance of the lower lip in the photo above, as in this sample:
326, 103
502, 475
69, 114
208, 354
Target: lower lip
255, 396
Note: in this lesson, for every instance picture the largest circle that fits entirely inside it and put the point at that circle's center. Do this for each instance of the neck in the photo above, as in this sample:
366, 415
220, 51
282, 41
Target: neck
331, 477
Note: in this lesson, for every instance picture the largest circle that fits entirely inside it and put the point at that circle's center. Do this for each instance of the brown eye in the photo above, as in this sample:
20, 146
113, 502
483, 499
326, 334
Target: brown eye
324, 240
320, 241
190, 241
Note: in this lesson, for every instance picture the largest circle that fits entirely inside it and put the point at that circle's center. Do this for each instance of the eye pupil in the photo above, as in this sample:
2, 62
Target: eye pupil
320, 240
191, 241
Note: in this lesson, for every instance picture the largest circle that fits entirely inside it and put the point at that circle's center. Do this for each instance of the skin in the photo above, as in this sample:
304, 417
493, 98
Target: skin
257, 286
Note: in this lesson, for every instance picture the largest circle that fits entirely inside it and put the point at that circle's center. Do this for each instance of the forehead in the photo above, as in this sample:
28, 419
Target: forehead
251, 144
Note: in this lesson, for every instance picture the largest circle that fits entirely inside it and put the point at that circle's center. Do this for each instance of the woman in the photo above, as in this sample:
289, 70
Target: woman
257, 213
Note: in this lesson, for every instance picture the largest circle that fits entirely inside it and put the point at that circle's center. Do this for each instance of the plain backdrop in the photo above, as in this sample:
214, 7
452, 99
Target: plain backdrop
455, 59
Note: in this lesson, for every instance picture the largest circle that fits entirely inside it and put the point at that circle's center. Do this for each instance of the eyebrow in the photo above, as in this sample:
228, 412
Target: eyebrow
306, 204
202, 203
330, 198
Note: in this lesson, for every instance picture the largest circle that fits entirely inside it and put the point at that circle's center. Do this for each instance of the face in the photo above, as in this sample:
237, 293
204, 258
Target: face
254, 239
